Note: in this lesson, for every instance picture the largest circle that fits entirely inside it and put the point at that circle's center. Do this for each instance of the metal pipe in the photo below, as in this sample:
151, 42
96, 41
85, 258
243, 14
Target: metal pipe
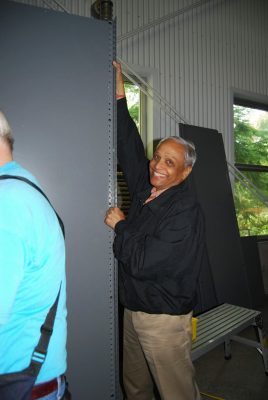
154, 91
61, 6
151, 96
47, 4
163, 19
247, 183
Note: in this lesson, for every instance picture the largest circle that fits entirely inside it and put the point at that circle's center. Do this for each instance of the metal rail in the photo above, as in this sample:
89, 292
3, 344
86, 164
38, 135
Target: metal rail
247, 183
161, 20
151, 92
58, 5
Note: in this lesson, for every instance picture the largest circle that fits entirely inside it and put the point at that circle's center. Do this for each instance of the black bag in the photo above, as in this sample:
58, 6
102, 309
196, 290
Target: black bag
19, 385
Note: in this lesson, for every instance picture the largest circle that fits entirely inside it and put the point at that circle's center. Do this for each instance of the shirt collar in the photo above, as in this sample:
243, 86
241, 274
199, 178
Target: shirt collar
160, 201
8, 167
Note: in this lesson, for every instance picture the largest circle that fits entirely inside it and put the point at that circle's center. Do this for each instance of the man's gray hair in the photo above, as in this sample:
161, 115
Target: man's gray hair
5, 131
190, 153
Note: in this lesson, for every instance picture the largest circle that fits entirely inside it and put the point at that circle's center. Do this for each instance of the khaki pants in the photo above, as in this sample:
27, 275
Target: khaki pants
158, 346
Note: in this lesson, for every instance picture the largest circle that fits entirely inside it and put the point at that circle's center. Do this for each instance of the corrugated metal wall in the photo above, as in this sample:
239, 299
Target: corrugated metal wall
199, 56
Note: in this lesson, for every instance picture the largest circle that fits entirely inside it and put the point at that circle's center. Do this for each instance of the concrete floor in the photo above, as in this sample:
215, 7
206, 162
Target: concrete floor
242, 377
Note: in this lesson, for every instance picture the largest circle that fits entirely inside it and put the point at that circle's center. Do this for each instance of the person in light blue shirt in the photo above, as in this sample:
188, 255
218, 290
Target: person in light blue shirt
32, 268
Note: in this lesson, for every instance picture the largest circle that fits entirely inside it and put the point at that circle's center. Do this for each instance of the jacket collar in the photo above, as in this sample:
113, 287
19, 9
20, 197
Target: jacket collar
163, 199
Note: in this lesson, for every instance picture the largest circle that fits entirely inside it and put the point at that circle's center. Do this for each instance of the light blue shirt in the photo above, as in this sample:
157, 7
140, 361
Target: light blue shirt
32, 266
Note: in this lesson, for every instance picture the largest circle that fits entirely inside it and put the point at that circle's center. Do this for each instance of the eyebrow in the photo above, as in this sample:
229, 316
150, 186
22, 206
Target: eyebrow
169, 156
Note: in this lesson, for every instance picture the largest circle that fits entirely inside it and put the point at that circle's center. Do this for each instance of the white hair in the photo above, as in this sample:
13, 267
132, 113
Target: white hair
190, 153
5, 131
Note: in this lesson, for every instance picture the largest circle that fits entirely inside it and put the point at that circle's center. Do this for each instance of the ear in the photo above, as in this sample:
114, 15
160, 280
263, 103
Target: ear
186, 172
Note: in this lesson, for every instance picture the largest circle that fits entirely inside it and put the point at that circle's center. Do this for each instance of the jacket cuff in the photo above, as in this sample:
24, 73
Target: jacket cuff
120, 226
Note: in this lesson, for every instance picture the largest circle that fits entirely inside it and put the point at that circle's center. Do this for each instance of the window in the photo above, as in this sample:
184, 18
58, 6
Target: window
251, 158
137, 106
133, 96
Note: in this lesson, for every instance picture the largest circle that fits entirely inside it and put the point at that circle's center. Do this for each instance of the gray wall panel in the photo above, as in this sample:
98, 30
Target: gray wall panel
56, 84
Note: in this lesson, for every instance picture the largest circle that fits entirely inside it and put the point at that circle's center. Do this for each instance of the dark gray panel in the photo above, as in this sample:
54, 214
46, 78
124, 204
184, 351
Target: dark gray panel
254, 272
56, 85
206, 296
210, 181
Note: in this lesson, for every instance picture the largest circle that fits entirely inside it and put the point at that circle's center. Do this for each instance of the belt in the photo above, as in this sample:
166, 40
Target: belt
43, 389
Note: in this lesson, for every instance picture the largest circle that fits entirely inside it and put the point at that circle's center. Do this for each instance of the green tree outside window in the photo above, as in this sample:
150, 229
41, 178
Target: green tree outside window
133, 101
251, 148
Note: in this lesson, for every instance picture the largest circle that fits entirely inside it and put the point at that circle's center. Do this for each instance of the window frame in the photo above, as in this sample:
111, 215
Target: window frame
254, 103
243, 102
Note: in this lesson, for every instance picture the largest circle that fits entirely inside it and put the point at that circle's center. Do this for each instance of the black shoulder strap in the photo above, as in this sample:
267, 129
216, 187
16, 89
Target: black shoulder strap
21, 178
40, 351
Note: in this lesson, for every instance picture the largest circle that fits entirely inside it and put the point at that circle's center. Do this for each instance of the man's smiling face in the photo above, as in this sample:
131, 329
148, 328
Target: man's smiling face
167, 167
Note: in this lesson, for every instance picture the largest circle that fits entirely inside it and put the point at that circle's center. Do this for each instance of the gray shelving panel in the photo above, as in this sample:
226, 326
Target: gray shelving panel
57, 86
